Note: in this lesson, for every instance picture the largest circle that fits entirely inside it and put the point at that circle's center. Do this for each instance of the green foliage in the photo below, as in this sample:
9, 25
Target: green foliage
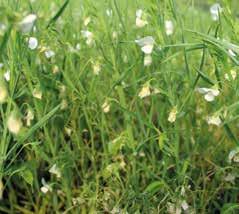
93, 120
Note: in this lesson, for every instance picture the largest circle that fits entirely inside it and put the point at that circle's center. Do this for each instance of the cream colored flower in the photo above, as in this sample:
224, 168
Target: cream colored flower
29, 117
88, 36
139, 13
169, 28
139, 21
68, 131
45, 187
234, 156
209, 93
37, 93
49, 54
55, 170
55, 69
147, 60
146, 44
173, 115
214, 120
3, 93
184, 205
144, 92
155, 91
96, 68
7, 75
106, 107
14, 123
230, 178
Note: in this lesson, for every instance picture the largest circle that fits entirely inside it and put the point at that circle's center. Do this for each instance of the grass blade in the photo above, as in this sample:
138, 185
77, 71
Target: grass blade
58, 14
5, 40
39, 124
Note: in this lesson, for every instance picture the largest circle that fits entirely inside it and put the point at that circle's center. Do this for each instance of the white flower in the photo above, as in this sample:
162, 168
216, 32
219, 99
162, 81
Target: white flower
55, 170
14, 124
27, 23
209, 93
32, 43
233, 75
37, 93
139, 13
3, 93
49, 54
88, 36
144, 92
139, 22
146, 44
215, 9
46, 187
234, 156
106, 107
7, 75
184, 205
169, 28
214, 120
230, 178
147, 60
173, 115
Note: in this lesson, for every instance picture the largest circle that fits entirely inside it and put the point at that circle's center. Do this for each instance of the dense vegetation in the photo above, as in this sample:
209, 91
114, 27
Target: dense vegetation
119, 106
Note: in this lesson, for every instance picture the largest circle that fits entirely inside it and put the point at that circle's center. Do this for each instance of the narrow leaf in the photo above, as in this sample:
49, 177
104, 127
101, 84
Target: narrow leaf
58, 14
39, 124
